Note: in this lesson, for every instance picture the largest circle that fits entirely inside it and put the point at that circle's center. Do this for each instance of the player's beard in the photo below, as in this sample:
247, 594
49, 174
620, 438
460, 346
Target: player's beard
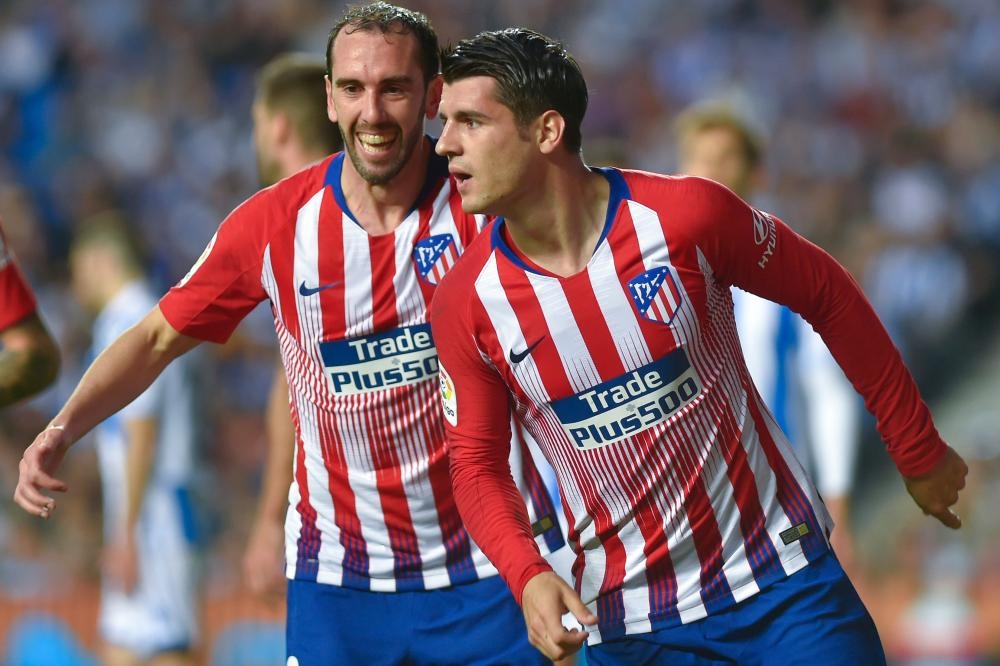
407, 143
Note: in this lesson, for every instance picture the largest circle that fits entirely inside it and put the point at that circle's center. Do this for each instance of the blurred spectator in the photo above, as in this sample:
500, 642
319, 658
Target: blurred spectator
148, 457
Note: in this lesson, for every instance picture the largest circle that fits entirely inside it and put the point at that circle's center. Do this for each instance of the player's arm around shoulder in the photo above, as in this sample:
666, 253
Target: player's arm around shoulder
115, 378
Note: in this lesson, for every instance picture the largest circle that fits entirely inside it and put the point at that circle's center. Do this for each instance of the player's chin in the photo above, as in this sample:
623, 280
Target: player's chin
475, 206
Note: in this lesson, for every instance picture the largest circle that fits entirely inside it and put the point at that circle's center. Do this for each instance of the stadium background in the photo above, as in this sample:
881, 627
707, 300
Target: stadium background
882, 120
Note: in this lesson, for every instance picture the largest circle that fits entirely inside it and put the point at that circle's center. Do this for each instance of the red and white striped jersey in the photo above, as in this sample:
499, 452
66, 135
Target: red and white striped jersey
682, 495
16, 299
371, 503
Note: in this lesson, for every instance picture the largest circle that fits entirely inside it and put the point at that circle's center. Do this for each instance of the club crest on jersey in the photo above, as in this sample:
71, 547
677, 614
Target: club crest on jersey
434, 256
655, 294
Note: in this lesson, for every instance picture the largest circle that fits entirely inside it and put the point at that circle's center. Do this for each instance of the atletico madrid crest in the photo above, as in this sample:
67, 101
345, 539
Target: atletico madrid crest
434, 256
655, 294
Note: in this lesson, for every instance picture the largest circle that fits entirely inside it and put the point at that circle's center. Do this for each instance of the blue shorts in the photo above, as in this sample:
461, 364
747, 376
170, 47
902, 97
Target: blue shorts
812, 617
474, 623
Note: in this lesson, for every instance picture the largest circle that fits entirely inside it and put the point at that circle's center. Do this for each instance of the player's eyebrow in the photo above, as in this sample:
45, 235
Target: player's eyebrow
390, 81
462, 116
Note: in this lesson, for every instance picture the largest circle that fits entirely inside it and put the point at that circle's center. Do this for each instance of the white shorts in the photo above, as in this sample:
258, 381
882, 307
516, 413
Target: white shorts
162, 613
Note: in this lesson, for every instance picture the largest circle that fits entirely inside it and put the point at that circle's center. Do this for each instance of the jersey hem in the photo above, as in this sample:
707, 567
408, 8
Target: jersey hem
641, 625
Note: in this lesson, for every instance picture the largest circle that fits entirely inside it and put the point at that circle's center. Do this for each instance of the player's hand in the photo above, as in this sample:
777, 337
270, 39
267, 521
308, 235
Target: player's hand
120, 562
544, 600
36, 470
264, 561
937, 491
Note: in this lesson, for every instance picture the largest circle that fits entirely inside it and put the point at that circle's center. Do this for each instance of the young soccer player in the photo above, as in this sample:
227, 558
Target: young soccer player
598, 309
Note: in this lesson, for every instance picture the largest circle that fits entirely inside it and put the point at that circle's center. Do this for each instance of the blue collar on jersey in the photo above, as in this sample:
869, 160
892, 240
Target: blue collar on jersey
619, 192
437, 168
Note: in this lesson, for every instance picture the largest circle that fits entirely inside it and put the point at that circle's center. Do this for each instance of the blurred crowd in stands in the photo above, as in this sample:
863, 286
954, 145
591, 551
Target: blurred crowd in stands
882, 125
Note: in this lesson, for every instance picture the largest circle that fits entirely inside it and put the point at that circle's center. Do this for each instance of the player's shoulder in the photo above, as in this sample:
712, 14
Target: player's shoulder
648, 187
688, 205
298, 188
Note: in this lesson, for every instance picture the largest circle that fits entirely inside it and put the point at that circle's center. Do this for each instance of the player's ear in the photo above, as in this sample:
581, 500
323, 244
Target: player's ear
281, 128
549, 130
434, 97
331, 110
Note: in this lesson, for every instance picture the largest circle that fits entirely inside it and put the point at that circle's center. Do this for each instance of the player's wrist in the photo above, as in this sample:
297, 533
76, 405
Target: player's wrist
526, 576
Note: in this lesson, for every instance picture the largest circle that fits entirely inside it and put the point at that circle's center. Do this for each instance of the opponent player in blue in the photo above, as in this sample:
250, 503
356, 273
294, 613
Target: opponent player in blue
810, 397
147, 455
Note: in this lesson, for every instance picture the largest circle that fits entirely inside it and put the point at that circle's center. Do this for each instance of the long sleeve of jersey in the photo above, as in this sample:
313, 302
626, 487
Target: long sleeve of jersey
477, 417
759, 253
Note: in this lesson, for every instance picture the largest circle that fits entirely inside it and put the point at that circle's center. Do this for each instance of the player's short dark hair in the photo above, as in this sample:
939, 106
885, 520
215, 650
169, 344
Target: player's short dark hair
293, 84
533, 74
707, 117
387, 18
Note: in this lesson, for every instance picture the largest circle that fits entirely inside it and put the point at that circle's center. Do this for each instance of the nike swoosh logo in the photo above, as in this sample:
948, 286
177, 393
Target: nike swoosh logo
309, 291
517, 357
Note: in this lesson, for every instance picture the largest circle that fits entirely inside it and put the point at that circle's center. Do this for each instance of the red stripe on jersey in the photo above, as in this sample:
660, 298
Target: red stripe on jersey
330, 237
383, 444
790, 495
701, 516
760, 551
382, 426
531, 321
588, 315
355, 562
383, 258
660, 575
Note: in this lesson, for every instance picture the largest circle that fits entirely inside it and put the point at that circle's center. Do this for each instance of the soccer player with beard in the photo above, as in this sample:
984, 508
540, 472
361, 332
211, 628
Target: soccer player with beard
29, 359
598, 308
349, 252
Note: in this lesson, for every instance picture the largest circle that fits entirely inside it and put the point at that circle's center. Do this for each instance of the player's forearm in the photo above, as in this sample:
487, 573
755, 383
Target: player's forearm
29, 360
121, 372
278, 464
141, 437
863, 348
494, 513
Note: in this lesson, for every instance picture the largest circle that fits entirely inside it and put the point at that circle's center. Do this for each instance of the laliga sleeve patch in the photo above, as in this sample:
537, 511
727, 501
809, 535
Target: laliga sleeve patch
448, 402
201, 260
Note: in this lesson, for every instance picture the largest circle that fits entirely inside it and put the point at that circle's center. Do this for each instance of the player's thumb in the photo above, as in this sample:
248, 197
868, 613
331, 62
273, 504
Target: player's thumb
949, 518
576, 606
